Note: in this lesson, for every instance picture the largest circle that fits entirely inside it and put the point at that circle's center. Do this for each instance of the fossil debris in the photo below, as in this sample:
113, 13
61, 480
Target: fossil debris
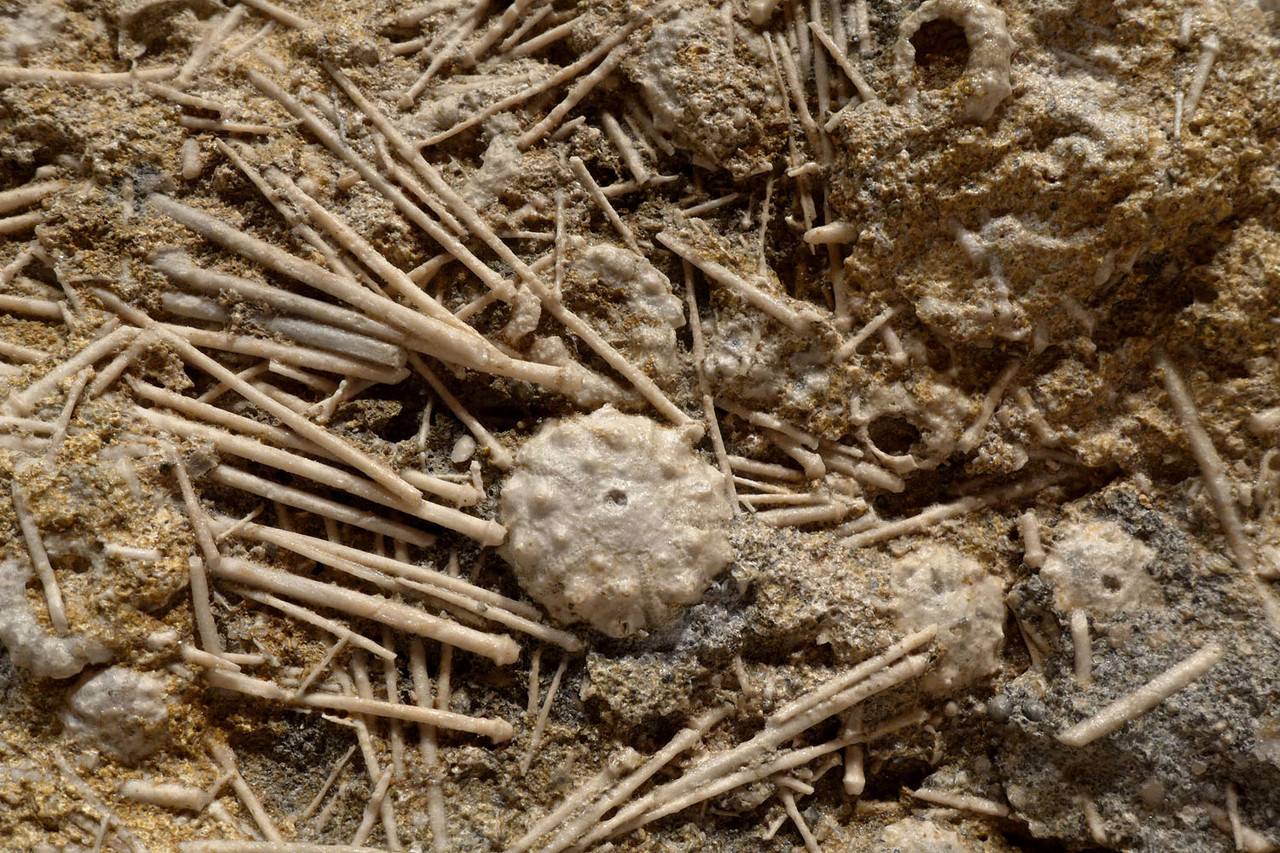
639, 425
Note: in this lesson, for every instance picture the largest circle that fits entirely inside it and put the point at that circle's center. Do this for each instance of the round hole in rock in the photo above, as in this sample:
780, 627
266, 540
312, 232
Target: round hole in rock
617, 497
942, 53
893, 435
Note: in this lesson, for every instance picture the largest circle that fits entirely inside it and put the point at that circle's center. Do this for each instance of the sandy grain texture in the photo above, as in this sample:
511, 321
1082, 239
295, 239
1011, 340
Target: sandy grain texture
966, 308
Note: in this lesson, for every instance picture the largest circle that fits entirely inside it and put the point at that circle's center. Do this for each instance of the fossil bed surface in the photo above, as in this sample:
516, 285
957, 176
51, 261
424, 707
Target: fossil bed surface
728, 343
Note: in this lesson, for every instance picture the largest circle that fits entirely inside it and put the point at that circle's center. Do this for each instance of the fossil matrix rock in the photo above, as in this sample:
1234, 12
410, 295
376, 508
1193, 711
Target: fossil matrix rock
683, 425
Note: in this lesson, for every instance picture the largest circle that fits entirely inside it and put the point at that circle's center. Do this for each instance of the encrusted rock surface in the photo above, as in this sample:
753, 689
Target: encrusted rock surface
760, 335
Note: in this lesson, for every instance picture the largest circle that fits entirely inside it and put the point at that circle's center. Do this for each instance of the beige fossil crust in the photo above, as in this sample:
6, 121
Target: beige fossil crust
932, 346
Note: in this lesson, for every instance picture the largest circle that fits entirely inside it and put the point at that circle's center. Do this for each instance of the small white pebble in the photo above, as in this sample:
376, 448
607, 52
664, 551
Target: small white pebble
463, 450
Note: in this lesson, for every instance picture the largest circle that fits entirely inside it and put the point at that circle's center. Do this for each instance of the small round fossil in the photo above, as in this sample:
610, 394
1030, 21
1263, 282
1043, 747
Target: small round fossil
614, 520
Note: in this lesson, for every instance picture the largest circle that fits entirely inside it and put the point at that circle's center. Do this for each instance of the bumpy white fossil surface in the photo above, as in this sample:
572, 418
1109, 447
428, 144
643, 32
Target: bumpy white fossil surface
1101, 568
121, 711
938, 585
614, 521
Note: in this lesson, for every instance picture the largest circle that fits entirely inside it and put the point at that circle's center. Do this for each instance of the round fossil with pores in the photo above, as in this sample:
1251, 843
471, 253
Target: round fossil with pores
614, 520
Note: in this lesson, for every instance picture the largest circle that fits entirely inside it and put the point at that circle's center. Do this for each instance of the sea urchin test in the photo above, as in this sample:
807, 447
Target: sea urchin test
614, 520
